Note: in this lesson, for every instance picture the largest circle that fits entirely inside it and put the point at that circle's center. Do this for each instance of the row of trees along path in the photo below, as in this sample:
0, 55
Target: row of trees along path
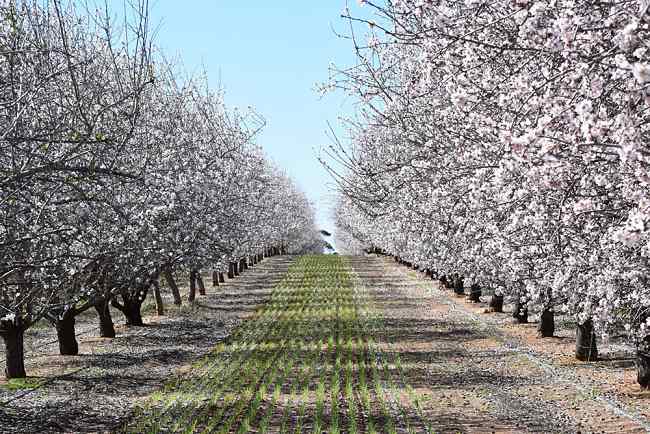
117, 171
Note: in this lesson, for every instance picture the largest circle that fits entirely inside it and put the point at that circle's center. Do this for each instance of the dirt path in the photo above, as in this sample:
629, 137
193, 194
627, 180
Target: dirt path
97, 390
336, 345
478, 373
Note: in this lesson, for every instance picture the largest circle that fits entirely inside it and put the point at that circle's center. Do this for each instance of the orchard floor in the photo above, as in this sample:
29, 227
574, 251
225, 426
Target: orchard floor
336, 344
97, 390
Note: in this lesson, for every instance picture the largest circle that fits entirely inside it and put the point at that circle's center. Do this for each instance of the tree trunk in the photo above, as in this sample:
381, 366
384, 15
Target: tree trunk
643, 369
235, 267
475, 293
444, 282
546, 327
520, 313
106, 327
459, 287
221, 278
13, 336
496, 303
192, 295
66, 335
130, 309
199, 281
169, 278
586, 348
215, 278
160, 308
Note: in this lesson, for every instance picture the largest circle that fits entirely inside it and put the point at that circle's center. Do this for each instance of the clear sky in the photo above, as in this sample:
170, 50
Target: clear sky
268, 55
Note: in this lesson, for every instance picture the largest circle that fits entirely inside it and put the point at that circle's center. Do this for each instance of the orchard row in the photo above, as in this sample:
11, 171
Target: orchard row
504, 146
116, 169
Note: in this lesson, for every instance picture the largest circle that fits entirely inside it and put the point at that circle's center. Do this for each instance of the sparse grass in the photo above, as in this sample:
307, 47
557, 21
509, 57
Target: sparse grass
22, 384
306, 362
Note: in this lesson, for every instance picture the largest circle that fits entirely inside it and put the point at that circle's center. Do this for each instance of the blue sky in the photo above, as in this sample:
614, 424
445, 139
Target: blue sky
268, 55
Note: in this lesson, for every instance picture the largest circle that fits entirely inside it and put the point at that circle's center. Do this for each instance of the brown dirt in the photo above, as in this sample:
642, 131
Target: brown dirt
485, 374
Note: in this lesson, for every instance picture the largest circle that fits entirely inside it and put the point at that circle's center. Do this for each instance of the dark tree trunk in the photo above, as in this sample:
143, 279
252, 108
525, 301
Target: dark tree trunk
66, 335
546, 327
475, 293
244, 264
192, 295
199, 281
586, 348
221, 278
130, 309
13, 336
169, 278
215, 278
496, 303
643, 369
520, 313
235, 266
444, 282
160, 308
231, 271
106, 327
459, 287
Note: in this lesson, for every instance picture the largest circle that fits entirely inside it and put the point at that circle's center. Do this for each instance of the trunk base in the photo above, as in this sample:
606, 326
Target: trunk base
106, 327
546, 328
496, 304
643, 369
66, 335
586, 348
13, 336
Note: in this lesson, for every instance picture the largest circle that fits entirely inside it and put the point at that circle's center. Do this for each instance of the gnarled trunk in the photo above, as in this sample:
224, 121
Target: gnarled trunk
130, 308
546, 327
106, 327
169, 278
586, 348
475, 293
520, 312
65, 333
496, 303
13, 336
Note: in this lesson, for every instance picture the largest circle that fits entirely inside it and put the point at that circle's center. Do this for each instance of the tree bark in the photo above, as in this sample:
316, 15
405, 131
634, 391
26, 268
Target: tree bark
586, 348
199, 282
221, 278
520, 313
169, 278
192, 295
496, 303
13, 336
65, 333
235, 267
106, 327
459, 287
130, 309
546, 327
643, 369
475, 293
215, 278
160, 308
